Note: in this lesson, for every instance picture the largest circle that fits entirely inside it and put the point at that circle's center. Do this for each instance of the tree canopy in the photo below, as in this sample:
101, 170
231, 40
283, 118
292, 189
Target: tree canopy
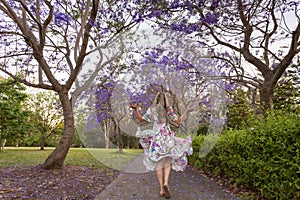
262, 36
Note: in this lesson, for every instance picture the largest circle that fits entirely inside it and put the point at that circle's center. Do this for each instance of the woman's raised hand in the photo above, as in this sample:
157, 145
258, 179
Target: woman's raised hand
133, 106
191, 108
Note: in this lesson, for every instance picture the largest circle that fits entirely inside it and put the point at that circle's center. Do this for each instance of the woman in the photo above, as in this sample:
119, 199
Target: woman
163, 151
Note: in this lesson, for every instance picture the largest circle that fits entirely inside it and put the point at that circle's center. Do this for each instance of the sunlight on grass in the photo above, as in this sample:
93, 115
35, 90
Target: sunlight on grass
23, 156
114, 159
96, 158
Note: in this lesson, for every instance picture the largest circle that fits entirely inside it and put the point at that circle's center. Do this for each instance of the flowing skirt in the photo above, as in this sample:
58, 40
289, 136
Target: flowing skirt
162, 143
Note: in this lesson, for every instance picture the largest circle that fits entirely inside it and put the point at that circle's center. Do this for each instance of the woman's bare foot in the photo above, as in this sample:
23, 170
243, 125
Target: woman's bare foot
167, 191
162, 193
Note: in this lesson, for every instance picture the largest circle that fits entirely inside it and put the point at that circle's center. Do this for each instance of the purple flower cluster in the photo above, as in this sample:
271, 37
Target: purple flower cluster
210, 18
62, 19
102, 104
185, 27
143, 99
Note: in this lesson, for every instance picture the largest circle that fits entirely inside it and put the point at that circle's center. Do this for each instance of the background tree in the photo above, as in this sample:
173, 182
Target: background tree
239, 109
109, 109
120, 110
287, 96
46, 115
13, 116
103, 110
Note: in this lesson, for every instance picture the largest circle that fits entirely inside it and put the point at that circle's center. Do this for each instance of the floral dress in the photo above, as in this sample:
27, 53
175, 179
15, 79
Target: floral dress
160, 142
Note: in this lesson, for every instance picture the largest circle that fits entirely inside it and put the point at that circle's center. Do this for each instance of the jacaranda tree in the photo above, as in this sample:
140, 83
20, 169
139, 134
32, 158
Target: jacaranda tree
103, 110
45, 115
48, 42
248, 35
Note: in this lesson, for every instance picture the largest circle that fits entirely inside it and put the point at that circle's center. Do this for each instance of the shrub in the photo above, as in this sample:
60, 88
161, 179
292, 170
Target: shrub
264, 157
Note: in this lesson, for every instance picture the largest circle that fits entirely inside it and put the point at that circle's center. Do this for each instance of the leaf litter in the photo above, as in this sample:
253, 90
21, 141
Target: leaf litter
66, 183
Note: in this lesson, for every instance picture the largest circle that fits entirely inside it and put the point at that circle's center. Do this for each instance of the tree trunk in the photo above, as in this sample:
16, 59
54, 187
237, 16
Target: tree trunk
119, 139
266, 95
106, 135
106, 142
57, 157
253, 101
42, 143
3, 141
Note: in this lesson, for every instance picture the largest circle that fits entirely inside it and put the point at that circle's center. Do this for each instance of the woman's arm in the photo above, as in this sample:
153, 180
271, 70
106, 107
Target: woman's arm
137, 112
184, 115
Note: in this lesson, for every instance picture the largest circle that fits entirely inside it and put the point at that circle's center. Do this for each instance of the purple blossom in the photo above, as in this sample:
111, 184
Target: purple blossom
274, 65
32, 8
211, 18
155, 13
228, 87
174, 5
214, 4
138, 18
185, 27
61, 18
201, 3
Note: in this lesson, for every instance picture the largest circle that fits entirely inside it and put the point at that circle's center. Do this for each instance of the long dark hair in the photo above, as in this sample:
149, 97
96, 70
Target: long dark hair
158, 99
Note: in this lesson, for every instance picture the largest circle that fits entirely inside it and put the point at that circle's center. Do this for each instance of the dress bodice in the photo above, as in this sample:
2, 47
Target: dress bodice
158, 121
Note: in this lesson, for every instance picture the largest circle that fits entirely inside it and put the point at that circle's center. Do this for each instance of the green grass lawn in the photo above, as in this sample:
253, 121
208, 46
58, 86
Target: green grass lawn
96, 158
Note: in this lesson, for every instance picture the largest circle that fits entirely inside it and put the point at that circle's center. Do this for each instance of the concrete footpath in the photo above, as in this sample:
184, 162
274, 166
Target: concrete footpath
135, 183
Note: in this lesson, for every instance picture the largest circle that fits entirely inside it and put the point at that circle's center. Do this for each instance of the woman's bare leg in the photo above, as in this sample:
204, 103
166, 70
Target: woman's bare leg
160, 175
167, 170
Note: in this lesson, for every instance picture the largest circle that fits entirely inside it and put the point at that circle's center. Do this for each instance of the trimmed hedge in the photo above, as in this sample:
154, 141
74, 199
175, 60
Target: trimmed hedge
264, 158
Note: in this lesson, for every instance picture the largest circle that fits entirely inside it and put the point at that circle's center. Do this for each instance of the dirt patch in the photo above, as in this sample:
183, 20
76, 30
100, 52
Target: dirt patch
69, 182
